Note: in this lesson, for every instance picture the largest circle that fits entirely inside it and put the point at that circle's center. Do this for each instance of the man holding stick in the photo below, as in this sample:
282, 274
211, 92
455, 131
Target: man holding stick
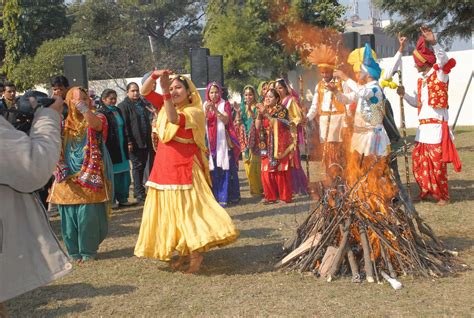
434, 147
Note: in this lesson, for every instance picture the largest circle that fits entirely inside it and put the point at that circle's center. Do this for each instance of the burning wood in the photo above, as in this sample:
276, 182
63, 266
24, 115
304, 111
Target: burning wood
363, 221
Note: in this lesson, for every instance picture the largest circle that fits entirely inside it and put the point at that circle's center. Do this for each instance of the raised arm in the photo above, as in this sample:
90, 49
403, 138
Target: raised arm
314, 105
396, 60
441, 56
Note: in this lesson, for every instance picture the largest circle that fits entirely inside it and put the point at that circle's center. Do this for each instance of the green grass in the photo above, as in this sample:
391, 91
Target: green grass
239, 280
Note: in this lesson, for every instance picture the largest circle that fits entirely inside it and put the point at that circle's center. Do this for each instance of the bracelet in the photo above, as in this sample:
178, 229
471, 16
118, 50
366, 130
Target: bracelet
154, 76
167, 96
82, 107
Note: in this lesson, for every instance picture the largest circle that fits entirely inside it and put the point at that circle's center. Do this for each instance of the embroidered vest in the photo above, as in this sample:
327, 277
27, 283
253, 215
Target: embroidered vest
337, 107
437, 92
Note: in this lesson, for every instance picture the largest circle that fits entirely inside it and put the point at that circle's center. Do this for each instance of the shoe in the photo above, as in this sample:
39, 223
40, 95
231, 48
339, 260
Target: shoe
127, 203
115, 205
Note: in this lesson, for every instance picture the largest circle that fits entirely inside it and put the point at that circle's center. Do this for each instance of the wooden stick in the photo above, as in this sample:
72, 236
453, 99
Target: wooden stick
342, 247
305, 134
386, 257
404, 134
369, 271
354, 266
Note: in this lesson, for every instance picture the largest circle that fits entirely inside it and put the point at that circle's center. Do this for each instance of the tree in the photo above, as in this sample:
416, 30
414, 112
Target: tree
48, 61
27, 24
451, 18
249, 34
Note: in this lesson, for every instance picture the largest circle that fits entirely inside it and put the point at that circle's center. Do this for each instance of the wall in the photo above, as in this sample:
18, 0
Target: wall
458, 80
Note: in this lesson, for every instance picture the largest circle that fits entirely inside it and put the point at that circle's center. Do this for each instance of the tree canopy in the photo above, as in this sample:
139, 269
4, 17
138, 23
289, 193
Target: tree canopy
27, 24
249, 35
113, 34
449, 18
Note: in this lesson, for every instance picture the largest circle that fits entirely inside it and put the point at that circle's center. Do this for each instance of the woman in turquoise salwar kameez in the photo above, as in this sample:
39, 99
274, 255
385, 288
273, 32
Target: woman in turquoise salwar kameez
83, 178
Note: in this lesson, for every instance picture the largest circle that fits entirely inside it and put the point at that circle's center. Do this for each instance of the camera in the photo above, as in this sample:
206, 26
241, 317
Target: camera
22, 115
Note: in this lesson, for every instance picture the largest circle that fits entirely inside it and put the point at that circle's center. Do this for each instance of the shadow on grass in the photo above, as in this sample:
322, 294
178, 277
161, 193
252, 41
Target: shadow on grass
259, 233
241, 260
52, 293
290, 208
457, 243
459, 190
118, 253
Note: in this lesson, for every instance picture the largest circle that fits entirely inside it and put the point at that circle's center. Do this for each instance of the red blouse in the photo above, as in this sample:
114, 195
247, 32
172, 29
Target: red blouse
172, 168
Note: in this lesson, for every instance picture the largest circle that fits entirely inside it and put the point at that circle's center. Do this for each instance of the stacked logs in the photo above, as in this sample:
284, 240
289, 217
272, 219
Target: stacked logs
345, 234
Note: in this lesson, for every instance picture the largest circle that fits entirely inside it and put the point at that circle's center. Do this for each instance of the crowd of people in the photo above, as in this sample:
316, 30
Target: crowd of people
185, 152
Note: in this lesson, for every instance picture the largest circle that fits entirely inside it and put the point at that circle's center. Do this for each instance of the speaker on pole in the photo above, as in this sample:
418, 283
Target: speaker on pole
199, 74
351, 40
75, 70
215, 69
368, 38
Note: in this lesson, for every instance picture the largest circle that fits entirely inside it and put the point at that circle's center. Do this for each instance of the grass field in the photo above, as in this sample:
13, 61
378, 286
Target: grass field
239, 280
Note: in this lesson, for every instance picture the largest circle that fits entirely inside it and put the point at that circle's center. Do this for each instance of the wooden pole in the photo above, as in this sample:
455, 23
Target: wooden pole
404, 134
305, 134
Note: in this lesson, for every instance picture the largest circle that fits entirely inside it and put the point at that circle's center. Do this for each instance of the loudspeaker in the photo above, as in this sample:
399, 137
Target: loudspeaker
351, 40
215, 69
75, 70
199, 68
368, 38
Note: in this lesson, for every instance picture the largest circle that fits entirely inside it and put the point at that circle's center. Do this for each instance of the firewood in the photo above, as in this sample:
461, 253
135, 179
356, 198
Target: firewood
328, 258
369, 272
342, 247
306, 245
354, 266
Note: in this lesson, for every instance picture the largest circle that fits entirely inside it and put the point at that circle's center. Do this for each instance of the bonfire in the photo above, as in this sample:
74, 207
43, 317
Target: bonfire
365, 225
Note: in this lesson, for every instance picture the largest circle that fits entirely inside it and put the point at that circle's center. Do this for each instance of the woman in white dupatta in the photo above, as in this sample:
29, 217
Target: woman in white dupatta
224, 147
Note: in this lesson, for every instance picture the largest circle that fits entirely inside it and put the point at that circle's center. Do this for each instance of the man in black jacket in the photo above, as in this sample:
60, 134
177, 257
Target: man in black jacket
138, 130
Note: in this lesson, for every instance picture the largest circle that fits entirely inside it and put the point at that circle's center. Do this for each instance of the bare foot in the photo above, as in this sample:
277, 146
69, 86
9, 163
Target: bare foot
195, 264
442, 202
179, 263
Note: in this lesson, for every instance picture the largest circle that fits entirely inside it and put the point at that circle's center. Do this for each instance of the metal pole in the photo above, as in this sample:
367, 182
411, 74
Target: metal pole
462, 101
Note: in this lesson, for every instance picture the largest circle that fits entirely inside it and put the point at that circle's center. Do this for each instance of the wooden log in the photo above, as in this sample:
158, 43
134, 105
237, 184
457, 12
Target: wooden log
327, 260
369, 272
312, 241
386, 258
353, 265
342, 247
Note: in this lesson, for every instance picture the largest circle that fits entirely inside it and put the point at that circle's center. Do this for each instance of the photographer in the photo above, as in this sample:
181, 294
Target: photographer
8, 102
30, 255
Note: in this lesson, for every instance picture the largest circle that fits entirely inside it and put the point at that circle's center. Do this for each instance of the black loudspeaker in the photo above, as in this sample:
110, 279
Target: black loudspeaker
215, 69
199, 74
75, 70
368, 38
351, 40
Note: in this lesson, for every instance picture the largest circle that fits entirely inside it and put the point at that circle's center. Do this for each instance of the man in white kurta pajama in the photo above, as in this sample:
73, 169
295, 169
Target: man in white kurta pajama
434, 147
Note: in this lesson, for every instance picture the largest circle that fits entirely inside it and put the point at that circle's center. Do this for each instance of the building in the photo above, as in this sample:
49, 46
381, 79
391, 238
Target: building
386, 45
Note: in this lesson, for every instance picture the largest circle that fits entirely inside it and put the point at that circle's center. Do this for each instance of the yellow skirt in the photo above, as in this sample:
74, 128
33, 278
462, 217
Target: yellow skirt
183, 221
